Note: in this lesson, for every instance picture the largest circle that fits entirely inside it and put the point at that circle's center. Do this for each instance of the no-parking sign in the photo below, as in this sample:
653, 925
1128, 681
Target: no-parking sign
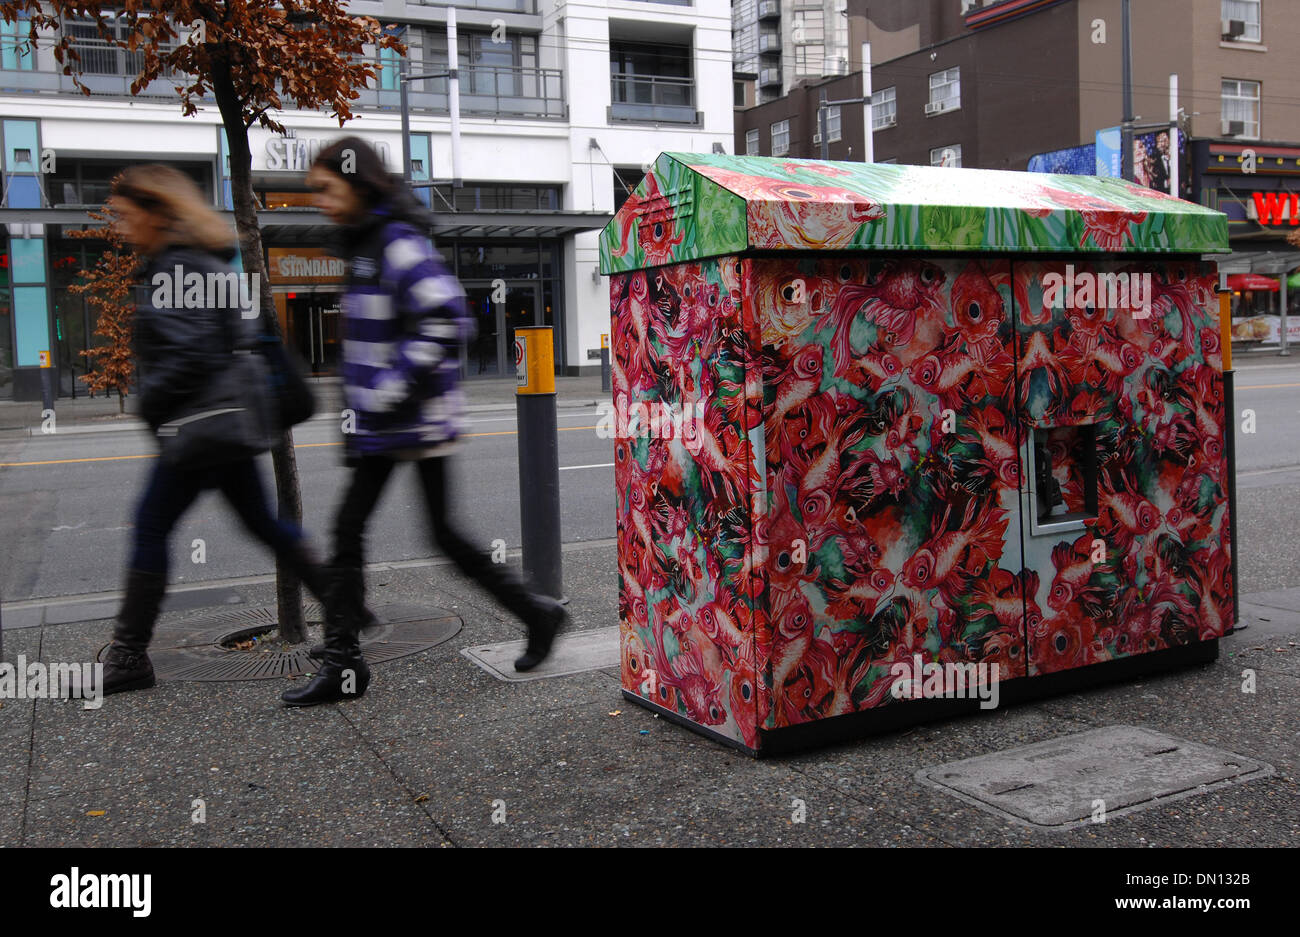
521, 359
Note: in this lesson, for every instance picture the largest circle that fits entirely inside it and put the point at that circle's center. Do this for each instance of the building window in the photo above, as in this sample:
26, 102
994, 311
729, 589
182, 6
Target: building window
809, 59
651, 81
833, 124
945, 91
625, 183
1240, 15
1240, 108
968, 6
751, 142
13, 57
884, 109
809, 27
946, 155
738, 94
781, 137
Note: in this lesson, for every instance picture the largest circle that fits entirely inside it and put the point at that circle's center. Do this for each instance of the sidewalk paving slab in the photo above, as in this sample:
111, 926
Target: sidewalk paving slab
347, 800
111, 746
435, 726
420, 693
578, 777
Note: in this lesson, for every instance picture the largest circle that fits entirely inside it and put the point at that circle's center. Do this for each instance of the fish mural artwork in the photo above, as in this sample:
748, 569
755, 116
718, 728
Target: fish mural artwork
901, 457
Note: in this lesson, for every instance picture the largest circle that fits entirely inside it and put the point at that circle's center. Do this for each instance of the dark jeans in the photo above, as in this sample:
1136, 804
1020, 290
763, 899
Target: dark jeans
170, 493
367, 483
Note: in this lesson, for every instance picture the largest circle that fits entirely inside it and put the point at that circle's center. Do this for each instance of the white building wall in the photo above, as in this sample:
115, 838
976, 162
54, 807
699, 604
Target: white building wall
575, 37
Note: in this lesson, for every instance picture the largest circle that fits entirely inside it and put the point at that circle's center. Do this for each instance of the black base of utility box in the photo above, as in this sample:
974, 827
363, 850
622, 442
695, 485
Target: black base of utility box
912, 712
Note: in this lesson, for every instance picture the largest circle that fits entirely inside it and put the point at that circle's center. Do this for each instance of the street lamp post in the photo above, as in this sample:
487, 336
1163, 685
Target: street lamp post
453, 106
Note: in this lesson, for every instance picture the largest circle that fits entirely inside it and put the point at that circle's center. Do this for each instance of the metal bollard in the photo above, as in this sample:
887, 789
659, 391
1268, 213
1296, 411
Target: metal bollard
539, 459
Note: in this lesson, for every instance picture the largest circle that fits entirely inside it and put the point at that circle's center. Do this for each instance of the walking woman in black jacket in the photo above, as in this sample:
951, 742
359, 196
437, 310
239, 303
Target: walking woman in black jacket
165, 218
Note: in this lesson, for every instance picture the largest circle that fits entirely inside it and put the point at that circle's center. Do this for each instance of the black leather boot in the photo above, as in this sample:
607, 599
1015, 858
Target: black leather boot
544, 623
126, 662
344, 673
368, 621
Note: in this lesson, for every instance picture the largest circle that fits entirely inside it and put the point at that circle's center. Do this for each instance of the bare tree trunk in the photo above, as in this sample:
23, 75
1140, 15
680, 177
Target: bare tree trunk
288, 597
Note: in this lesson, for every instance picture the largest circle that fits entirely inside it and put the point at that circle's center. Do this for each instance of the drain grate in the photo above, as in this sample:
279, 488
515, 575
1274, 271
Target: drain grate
1107, 772
191, 650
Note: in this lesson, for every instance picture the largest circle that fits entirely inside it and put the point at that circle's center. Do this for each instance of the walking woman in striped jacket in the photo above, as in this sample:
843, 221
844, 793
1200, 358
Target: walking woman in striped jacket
404, 321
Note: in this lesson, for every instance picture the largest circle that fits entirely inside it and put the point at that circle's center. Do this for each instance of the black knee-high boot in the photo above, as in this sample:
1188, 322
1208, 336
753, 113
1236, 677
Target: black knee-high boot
344, 673
126, 663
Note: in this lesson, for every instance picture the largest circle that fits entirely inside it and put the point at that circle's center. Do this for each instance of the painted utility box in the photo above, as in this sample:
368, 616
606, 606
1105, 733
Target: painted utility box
875, 423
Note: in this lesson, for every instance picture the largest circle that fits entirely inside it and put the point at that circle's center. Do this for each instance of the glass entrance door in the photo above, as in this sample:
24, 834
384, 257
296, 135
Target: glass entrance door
497, 312
314, 324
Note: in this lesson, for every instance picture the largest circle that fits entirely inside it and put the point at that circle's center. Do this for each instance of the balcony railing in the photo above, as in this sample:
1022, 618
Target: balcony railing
497, 6
767, 9
104, 69
485, 90
769, 76
652, 98
769, 42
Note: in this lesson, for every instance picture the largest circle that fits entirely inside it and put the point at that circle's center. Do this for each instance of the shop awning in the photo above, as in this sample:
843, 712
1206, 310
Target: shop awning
1252, 281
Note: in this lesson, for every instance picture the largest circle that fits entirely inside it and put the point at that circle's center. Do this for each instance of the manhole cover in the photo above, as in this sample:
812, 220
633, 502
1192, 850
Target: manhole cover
574, 652
192, 650
1107, 772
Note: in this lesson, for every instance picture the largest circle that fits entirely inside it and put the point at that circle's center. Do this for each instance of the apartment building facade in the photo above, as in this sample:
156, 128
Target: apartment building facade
991, 84
561, 102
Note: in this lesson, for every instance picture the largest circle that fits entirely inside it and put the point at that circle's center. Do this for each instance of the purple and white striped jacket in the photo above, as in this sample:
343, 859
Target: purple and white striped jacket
404, 321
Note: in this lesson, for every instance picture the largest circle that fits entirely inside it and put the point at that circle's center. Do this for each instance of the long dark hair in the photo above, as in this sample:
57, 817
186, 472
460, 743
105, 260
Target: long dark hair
356, 163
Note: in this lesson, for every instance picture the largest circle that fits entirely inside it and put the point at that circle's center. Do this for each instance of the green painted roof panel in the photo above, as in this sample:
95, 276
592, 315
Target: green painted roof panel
696, 205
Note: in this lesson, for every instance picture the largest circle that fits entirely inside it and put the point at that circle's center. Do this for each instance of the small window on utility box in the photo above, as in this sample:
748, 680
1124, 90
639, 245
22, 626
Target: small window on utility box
1065, 476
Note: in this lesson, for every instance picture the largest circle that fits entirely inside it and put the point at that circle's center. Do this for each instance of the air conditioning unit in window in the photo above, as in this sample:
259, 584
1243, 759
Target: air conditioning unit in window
1234, 128
1231, 29
817, 139
935, 107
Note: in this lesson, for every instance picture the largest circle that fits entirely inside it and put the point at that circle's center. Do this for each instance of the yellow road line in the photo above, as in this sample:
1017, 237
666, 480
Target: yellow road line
1264, 386
305, 445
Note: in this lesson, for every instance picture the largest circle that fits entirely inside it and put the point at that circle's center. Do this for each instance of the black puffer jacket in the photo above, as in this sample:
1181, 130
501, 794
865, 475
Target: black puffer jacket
179, 349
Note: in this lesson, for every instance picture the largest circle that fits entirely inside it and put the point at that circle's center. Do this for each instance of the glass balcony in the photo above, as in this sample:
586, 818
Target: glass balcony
485, 91
105, 69
655, 98
769, 9
500, 6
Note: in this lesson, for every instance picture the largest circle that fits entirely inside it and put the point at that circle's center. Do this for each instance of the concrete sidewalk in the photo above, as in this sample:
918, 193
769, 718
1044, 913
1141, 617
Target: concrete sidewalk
98, 414
438, 746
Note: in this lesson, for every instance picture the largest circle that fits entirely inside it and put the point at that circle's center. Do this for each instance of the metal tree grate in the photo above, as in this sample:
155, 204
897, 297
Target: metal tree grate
192, 650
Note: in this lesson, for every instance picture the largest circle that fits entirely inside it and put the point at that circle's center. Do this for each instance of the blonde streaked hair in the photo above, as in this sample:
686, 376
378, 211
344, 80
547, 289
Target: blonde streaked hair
172, 194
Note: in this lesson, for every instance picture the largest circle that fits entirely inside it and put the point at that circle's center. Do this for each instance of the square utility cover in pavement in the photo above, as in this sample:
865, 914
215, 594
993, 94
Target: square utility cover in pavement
573, 652
1056, 785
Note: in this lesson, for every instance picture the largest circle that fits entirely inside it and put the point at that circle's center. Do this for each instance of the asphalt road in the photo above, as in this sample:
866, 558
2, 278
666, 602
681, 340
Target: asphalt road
65, 508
